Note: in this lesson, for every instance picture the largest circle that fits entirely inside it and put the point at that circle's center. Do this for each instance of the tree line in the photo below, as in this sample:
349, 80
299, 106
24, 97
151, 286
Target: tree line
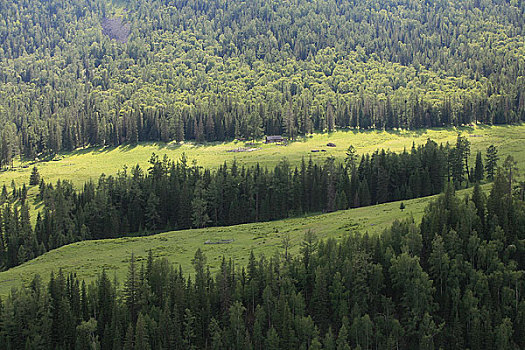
174, 195
456, 281
221, 70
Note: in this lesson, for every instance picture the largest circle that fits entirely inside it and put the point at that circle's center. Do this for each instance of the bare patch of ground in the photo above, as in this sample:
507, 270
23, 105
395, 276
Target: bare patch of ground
116, 29
243, 149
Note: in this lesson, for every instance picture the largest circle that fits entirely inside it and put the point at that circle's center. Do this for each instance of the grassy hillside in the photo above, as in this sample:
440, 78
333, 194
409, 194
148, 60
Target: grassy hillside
84, 164
88, 258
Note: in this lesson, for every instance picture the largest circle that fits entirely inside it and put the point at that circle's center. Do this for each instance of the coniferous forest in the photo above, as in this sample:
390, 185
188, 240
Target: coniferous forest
85, 73
454, 282
75, 73
177, 195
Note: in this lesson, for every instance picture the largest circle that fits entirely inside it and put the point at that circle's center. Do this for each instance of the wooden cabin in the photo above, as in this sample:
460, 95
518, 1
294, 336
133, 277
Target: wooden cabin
274, 139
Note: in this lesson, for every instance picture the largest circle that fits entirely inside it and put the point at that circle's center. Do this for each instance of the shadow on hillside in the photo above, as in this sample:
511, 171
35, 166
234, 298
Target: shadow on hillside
127, 147
173, 145
90, 150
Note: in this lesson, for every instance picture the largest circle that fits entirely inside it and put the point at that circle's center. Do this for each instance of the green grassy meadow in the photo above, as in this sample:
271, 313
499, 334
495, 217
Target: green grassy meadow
88, 258
84, 164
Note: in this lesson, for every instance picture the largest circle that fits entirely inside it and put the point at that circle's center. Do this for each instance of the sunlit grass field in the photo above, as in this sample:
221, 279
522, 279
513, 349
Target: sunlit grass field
88, 258
82, 165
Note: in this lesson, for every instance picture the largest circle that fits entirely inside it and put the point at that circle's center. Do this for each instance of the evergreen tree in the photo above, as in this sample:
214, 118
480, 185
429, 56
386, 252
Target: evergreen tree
216, 334
4, 195
141, 335
237, 325
504, 335
272, 339
104, 304
189, 332
478, 170
200, 321
351, 158
200, 216
152, 213
460, 155
34, 178
131, 289
129, 340
491, 162
342, 337
328, 341
511, 169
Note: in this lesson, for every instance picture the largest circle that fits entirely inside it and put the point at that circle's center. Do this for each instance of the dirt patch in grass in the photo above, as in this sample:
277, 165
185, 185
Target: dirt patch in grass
243, 149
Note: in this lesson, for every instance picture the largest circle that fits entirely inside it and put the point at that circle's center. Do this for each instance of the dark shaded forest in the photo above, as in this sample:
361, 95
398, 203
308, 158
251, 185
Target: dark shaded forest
177, 195
216, 70
455, 282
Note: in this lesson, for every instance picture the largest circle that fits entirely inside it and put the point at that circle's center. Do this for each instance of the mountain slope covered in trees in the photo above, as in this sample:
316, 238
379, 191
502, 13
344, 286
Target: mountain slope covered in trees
456, 281
179, 246
215, 70
175, 195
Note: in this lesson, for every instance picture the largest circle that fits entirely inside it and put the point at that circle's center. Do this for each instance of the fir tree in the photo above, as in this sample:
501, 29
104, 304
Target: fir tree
34, 178
152, 213
131, 289
491, 162
200, 216
141, 335
478, 170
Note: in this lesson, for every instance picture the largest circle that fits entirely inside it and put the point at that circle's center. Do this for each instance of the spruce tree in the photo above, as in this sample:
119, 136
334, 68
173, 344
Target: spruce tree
478, 170
131, 289
34, 178
491, 162
272, 340
328, 341
200, 217
4, 195
330, 117
188, 329
129, 340
342, 336
105, 303
216, 334
152, 212
141, 334
237, 325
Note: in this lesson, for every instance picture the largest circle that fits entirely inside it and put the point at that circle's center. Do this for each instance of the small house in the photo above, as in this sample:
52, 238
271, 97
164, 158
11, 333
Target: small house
274, 139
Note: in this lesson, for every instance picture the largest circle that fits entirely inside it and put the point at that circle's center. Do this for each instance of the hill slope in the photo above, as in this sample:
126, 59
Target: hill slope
88, 258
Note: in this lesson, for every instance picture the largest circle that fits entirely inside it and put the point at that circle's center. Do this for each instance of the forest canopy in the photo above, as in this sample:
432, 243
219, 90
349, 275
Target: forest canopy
454, 282
215, 70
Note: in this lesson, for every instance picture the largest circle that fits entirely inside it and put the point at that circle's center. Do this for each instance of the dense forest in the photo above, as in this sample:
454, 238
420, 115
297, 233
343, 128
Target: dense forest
219, 69
454, 282
81, 73
176, 195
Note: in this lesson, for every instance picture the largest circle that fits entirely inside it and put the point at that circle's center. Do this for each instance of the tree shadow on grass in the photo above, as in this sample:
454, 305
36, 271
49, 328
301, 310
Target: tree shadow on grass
173, 145
90, 150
